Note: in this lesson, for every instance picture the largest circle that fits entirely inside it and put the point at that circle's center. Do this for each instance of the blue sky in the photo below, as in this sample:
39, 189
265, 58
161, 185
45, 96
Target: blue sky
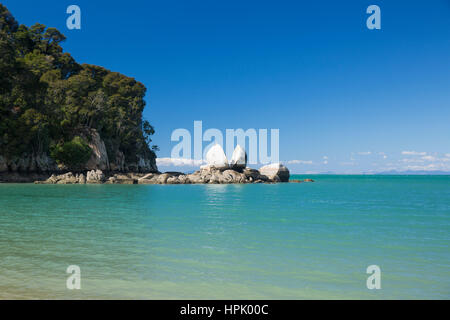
345, 98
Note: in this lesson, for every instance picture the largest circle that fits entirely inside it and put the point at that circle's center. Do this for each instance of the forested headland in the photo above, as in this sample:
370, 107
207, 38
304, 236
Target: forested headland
57, 114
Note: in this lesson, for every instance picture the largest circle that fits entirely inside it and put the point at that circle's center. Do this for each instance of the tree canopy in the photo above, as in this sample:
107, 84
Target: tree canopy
47, 99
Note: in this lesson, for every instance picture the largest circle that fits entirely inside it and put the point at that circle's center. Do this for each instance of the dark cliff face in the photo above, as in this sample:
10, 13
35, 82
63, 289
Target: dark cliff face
29, 163
56, 114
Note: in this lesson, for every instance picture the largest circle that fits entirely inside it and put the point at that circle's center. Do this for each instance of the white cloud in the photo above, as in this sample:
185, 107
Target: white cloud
423, 159
447, 155
299, 162
178, 162
413, 153
428, 167
426, 162
365, 153
411, 160
429, 158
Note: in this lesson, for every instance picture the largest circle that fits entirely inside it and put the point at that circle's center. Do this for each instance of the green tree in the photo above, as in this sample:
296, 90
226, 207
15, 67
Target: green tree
73, 154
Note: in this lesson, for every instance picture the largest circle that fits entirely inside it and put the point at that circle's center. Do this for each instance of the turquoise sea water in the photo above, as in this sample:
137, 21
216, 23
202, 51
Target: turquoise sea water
282, 241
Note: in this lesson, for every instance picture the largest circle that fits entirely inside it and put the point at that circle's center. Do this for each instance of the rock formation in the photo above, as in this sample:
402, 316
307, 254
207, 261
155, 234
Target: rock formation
275, 170
216, 158
99, 157
28, 167
27, 164
239, 159
207, 175
67, 178
95, 176
217, 171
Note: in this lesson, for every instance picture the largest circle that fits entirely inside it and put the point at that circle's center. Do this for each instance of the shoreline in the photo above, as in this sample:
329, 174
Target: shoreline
206, 175
209, 175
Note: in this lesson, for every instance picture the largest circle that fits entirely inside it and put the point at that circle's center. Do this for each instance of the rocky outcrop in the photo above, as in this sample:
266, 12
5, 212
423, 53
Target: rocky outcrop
92, 177
301, 181
28, 164
126, 178
95, 176
100, 161
99, 157
216, 158
143, 164
42, 163
118, 163
45, 164
274, 170
207, 175
238, 159
217, 171
67, 178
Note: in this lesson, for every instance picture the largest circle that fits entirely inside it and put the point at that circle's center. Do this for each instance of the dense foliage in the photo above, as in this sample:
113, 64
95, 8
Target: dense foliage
74, 153
48, 100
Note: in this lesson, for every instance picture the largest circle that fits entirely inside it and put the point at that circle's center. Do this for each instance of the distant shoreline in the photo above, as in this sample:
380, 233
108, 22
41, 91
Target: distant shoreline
375, 174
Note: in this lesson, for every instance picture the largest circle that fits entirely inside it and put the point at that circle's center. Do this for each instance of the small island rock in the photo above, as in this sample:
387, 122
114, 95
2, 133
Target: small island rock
275, 169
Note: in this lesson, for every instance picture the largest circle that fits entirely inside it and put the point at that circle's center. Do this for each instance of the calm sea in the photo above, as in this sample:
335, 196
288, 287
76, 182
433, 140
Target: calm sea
281, 241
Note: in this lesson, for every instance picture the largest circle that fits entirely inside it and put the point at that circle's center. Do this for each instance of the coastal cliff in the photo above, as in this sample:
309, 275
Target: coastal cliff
29, 166
58, 116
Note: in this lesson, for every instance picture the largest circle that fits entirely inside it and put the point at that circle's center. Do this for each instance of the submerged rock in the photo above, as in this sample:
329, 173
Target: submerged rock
301, 181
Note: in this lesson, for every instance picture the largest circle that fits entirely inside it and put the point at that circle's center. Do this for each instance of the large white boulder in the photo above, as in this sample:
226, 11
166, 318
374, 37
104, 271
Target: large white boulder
215, 157
239, 159
95, 176
275, 170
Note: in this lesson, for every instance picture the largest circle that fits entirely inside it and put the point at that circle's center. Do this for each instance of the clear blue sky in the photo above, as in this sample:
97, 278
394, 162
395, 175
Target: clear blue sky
345, 98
